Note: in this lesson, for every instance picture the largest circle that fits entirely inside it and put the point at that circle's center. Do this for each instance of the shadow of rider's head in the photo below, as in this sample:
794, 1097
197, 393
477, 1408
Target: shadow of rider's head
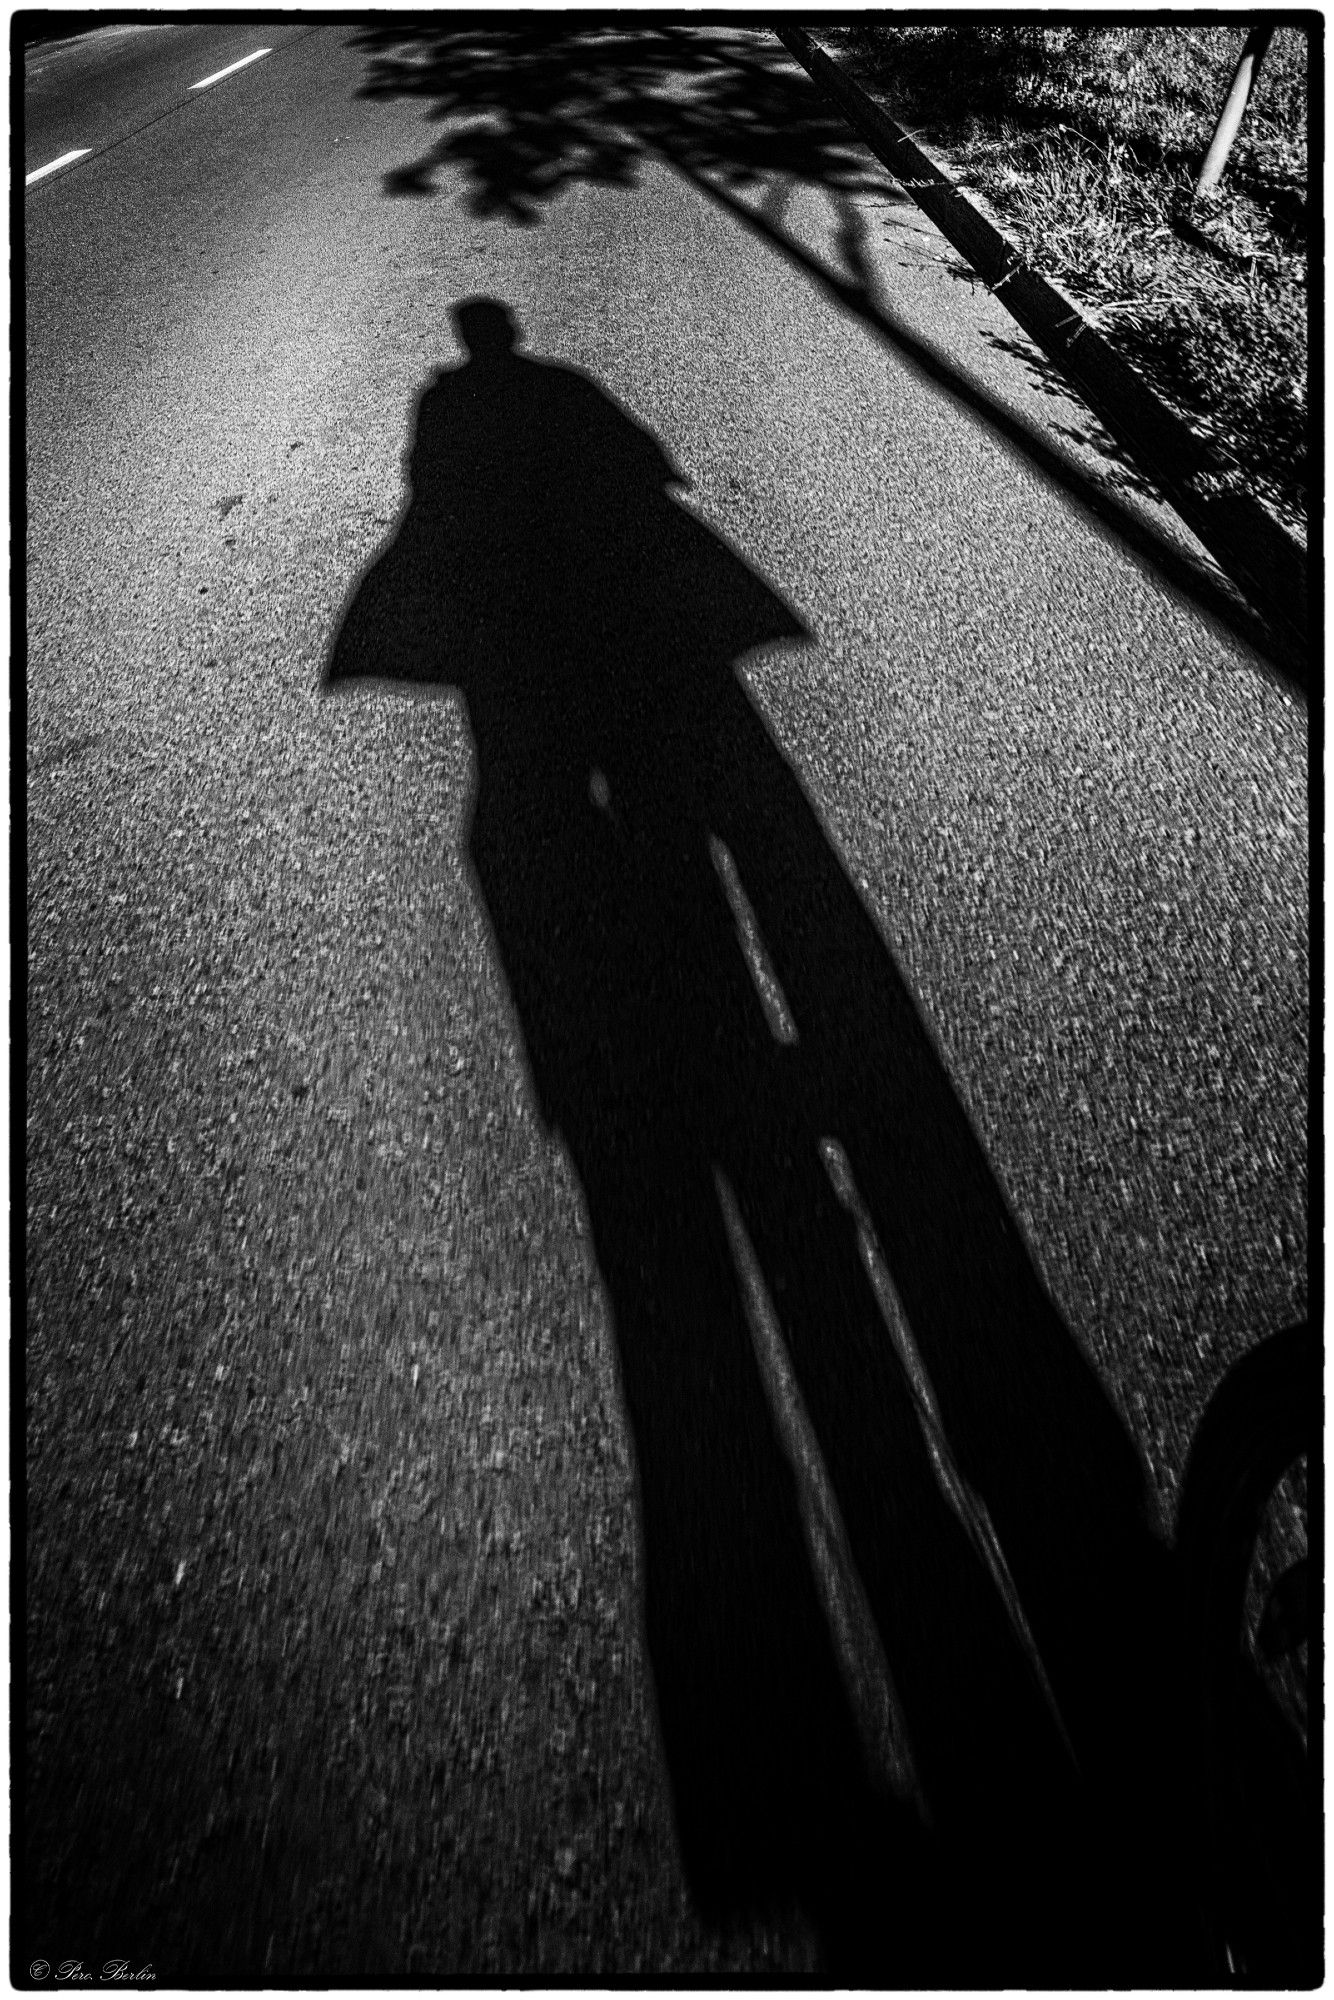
486, 331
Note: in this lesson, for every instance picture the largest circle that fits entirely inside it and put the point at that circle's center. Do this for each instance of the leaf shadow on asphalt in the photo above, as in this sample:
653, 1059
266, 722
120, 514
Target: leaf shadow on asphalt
529, 111
633, 819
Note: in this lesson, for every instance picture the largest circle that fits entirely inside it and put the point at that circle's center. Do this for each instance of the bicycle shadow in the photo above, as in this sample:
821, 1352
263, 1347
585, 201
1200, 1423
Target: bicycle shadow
625, 785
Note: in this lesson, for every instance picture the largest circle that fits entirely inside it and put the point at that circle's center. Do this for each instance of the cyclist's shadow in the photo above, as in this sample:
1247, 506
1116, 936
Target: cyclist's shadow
592, 624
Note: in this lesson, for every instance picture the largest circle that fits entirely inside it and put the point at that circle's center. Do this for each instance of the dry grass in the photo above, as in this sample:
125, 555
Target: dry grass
1086, 141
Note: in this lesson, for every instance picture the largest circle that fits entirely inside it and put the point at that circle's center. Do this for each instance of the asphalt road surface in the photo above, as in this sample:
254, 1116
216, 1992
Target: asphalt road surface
667, 1043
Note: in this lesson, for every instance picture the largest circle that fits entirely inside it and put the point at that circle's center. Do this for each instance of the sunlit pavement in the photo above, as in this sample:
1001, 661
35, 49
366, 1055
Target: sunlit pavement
648, 1126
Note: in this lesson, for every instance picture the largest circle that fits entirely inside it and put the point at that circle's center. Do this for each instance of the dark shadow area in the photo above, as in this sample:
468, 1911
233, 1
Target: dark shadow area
529, 109
1255, 1457
1121, 469
32, 30
945, 81
546, 569
534, 107
948, 80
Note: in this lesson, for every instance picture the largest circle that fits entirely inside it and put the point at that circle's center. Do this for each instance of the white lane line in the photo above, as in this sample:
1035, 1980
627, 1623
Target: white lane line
53, 166
230, 70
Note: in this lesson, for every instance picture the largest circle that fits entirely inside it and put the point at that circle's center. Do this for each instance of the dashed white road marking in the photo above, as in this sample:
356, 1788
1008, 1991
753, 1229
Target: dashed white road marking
80, 152
230, 70
53, 166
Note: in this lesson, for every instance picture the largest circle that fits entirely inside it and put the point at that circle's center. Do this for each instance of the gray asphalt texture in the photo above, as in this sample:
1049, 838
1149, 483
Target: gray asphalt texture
336, 1658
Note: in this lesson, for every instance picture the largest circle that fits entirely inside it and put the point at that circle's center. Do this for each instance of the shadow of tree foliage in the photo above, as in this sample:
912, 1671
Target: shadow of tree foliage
546, 106
529, 109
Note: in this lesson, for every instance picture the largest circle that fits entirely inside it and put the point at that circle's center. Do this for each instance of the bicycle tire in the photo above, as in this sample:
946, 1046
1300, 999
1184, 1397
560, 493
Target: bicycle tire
1260, 1818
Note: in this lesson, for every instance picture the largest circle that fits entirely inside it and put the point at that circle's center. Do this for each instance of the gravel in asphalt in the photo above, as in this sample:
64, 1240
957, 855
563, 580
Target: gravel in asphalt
339, 1662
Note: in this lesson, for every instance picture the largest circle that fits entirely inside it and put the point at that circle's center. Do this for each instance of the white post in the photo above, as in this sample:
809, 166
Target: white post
1234, 105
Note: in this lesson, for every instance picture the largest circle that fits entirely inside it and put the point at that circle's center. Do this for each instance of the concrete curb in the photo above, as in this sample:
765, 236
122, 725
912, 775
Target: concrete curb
1265, 562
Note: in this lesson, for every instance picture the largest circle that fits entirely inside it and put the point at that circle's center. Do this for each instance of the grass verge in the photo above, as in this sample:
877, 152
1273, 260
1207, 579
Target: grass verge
1085, 141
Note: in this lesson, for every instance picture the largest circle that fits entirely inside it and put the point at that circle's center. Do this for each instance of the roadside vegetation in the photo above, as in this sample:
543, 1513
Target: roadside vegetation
1085, 141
